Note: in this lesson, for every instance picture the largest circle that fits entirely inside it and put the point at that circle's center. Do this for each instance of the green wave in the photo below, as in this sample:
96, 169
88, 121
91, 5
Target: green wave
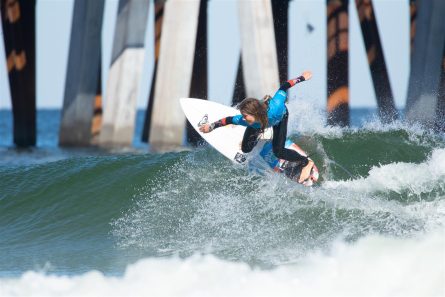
353, 153
82, 213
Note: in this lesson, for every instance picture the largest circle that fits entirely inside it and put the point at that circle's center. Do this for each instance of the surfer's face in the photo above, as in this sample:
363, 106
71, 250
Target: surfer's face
250, 119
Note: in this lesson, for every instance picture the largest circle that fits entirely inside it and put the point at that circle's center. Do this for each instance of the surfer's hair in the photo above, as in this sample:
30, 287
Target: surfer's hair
255, 108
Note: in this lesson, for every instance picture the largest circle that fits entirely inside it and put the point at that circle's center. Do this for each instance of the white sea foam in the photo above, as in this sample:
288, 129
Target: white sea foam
398, 177
373, 266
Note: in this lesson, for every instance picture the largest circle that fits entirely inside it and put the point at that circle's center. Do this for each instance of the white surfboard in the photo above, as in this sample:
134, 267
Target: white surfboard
227, 139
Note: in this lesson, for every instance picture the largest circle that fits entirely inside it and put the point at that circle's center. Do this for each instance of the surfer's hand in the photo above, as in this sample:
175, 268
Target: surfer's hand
206, 128
307, 75
306, 172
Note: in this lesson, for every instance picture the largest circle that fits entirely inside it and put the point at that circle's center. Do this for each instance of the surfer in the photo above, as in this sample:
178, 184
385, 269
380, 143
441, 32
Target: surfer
257, 115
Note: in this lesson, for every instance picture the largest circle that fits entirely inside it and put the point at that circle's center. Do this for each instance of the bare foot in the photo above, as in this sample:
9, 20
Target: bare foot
306, 172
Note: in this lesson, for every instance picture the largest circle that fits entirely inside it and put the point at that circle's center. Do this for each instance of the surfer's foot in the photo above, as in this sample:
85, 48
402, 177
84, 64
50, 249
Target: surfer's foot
306, 172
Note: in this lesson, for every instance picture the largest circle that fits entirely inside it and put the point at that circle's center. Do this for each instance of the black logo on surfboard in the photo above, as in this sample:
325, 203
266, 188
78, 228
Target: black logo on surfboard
240, 158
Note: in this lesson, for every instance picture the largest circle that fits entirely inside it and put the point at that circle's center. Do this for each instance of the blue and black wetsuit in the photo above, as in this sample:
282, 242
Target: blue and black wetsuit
277, 118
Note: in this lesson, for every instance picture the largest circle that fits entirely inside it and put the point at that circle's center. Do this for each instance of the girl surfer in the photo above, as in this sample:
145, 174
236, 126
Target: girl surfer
272, 112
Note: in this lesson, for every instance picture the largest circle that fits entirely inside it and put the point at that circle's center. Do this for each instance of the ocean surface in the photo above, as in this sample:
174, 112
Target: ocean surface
77, 222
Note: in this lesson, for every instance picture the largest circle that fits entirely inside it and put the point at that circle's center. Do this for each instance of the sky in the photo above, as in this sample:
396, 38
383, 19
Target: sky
307, 50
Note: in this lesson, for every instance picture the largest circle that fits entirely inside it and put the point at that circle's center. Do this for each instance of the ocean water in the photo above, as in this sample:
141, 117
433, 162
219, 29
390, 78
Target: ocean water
190, 223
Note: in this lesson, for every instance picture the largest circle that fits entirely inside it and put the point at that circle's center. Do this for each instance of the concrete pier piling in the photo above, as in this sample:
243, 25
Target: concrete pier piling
19, 31
338, 62
280, 18
198, 85
259, 58
83, 76
174, 73
126, 68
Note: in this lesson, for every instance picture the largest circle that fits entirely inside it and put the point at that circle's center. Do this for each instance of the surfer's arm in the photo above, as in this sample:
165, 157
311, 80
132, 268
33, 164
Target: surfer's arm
292, 82
220, 123
281, 95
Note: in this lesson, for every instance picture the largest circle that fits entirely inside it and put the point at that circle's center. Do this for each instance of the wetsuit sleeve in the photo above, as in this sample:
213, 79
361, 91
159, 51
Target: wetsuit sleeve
222, 122
236, 120
291, 82
239, 120
281, 95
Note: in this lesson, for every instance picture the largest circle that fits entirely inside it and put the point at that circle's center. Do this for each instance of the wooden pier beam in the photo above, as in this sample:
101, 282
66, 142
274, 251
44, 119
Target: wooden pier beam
376, 61
199, 86
127, 63
440, 109
412, 21
338, 62
159, 15
280, 11
239, 91
19, 31
82, 91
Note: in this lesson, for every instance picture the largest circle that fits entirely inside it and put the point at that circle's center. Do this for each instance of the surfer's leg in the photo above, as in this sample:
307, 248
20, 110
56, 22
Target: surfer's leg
250, 139
278, 144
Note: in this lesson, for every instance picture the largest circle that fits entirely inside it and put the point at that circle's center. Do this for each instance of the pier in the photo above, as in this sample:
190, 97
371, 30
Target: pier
96, 116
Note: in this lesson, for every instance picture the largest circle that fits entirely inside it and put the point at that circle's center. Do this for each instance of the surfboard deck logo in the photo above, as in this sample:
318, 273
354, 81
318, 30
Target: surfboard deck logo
227, 139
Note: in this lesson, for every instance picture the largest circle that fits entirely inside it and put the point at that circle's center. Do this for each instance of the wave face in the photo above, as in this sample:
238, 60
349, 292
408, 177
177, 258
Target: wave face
106, 211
